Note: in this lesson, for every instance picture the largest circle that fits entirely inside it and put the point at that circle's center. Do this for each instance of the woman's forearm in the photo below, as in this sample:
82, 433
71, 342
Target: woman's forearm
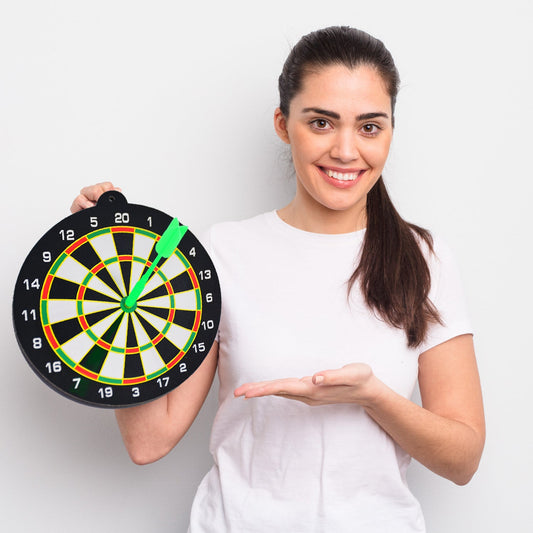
151, 430
448, 447
146, 430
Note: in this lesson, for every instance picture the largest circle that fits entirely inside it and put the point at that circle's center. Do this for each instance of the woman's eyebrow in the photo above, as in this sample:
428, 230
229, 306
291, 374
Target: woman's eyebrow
319, 111
369, 116
336, 116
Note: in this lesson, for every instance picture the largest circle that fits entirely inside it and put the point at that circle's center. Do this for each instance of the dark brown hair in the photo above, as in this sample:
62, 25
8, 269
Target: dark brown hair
392, 272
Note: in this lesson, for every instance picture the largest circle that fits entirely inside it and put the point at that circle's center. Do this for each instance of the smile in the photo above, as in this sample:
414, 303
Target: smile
343, 176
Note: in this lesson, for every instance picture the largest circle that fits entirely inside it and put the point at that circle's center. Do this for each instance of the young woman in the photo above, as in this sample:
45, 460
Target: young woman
333, 306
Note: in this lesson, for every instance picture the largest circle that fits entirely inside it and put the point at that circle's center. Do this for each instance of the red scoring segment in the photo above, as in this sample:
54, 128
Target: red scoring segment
125, 229
77, 244
46, 287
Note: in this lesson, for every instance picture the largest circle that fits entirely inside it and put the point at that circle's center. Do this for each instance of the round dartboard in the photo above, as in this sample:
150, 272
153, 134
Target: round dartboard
117, 304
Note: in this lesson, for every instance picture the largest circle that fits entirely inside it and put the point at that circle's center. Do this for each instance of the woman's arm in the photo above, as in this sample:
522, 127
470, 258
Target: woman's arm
447, 434
151, 430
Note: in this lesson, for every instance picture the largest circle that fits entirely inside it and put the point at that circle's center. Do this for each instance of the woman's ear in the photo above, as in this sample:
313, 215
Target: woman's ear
280, 125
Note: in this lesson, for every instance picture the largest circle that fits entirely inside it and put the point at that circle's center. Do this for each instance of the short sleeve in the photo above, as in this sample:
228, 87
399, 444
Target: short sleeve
447, 295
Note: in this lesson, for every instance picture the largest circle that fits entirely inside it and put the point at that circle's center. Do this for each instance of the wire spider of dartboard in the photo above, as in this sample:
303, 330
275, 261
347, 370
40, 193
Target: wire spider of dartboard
117, 304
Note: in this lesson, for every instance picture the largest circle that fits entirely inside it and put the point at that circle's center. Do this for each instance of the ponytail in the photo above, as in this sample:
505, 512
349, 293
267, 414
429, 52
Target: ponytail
393, 273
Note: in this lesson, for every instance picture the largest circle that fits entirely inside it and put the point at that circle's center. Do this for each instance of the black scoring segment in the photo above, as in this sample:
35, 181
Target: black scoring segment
62, 289
123, 242
66, 329
184, 318
166, 350
133, 366
124, 246
105, 276
182, 283
86, 255
131, 337
125, 268
157, 311
94, 318
150, 330
93, 295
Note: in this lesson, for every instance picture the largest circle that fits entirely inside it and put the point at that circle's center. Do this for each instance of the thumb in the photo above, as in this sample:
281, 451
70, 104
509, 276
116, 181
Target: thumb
351, 374
328, 377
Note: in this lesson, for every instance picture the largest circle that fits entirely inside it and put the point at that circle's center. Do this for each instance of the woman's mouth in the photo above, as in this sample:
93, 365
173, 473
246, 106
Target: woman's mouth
341, 178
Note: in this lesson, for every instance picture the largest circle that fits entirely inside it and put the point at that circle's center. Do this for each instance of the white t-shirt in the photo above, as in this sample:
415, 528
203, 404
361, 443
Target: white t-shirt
280, 465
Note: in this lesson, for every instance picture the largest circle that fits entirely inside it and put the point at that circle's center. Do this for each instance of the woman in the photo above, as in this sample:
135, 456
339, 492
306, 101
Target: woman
332, 307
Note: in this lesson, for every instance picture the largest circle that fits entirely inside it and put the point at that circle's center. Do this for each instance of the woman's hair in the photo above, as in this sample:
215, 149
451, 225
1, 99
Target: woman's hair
392, 271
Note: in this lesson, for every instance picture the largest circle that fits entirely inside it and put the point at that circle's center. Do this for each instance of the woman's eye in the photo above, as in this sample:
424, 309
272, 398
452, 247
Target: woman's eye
370, 129
320, 124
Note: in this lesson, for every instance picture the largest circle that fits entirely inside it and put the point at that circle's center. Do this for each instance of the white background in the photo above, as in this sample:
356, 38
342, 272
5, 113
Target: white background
174, 104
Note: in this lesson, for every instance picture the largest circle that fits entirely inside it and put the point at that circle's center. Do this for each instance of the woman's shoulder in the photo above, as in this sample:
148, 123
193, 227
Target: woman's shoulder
433, 245
253, 223
443, 266
230, 232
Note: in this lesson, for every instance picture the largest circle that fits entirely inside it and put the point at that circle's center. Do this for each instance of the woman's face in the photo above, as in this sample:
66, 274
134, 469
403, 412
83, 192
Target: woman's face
340, 129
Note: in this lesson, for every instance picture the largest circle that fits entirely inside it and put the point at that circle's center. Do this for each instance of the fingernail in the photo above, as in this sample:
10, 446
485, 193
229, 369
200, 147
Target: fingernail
318, 380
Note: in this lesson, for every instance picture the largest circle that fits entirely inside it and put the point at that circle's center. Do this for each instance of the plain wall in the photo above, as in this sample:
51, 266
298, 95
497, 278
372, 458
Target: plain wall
173, 102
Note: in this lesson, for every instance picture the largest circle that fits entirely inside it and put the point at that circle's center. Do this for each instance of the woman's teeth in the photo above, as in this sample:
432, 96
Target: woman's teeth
343, 176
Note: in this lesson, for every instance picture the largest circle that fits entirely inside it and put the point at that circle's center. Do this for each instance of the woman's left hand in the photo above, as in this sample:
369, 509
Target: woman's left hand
353, 383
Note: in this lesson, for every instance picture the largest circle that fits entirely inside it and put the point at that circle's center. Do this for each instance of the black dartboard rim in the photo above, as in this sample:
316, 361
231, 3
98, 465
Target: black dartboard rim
67, 313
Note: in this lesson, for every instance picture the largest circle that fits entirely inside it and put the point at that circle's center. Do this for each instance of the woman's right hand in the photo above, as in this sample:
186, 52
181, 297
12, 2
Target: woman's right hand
89, 195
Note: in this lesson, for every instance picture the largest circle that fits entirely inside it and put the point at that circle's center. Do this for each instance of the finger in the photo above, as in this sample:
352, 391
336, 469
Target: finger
303, 399
241, 391
284, 387
352, 374
256, 390
89, 195
329, 377
93, 192
81, 202
272, 384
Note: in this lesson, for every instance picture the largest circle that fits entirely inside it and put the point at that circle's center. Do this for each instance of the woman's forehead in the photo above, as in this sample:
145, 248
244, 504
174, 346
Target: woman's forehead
338, 88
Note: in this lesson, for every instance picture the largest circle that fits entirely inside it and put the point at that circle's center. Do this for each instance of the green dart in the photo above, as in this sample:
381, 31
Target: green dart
164, 247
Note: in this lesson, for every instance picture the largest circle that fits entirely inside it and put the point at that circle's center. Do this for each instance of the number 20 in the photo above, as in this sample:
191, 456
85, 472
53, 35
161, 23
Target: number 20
122, 218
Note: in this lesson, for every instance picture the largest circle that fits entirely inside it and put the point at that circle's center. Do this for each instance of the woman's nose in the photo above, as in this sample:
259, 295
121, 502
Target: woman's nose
344, 147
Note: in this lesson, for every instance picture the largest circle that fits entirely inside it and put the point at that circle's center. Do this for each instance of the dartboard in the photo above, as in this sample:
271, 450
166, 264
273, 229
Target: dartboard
117, 304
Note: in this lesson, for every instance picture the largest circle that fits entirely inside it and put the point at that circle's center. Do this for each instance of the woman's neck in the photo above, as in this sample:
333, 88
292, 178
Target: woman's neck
320, 219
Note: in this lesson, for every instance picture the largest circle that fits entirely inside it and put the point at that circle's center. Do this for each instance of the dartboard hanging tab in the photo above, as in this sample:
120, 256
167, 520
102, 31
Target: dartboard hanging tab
111, 199
117, 304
